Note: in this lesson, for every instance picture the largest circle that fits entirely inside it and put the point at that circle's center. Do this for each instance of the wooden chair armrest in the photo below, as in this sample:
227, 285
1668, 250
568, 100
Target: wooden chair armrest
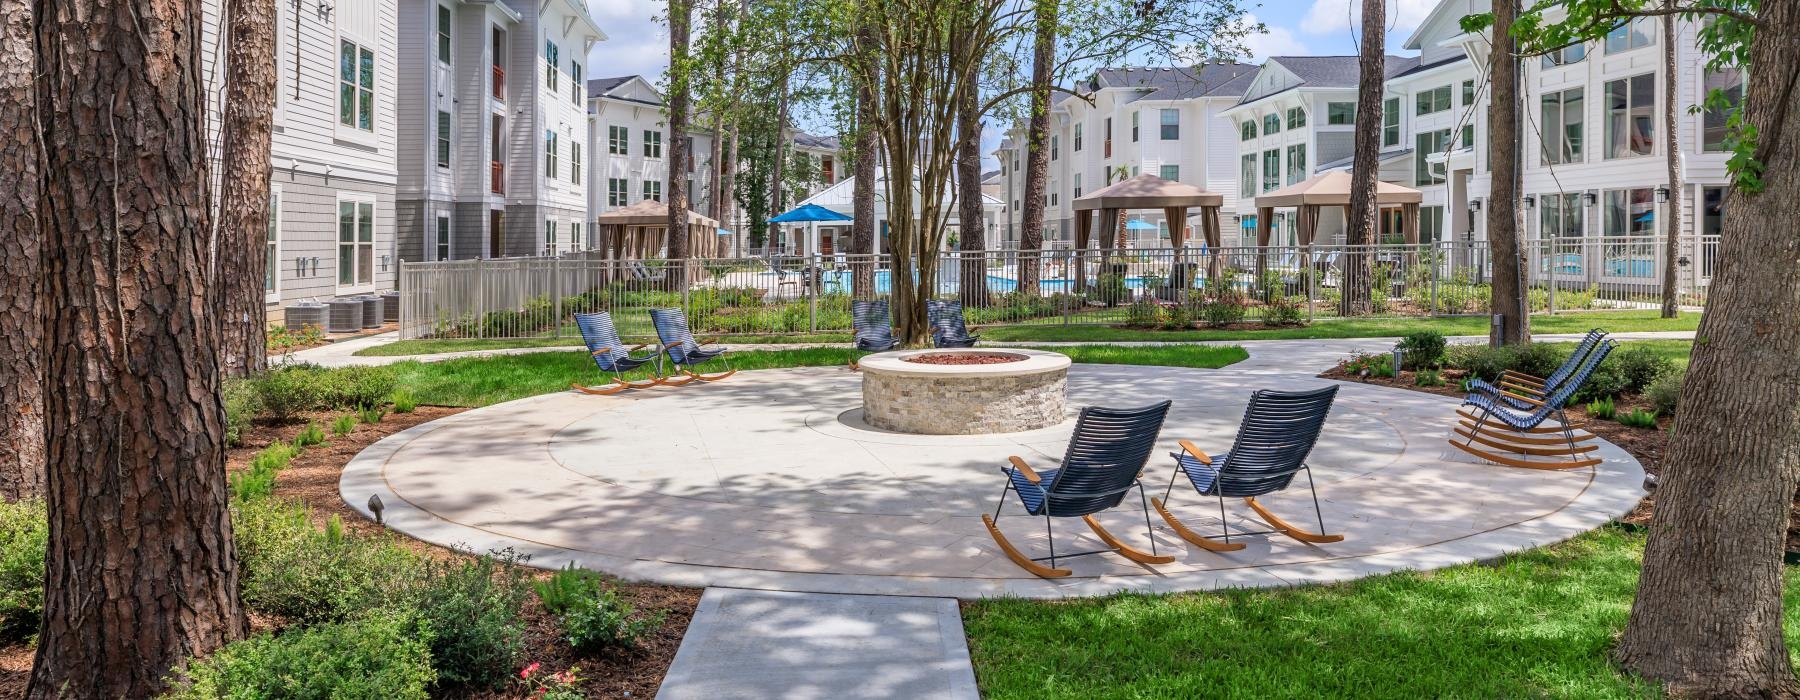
601, 351
1196, 452
1520, 388
1025, 469
1521, 377
1526, 399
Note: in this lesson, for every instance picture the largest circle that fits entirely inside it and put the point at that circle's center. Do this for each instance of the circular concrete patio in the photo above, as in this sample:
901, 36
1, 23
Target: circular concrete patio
770, 480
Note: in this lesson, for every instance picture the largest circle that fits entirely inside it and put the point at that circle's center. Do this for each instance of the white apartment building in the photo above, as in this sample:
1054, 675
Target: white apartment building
1163, 121
493, 135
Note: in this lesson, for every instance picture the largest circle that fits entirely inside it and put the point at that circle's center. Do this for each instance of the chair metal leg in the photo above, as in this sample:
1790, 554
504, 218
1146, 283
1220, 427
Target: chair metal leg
1048, 534
1149, 530
1224, 525
1314, 488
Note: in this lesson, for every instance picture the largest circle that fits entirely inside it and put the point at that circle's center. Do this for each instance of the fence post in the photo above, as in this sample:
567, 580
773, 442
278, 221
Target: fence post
556, 294
480, 298
1550, 277
1312, 284
1436, 263
812, 292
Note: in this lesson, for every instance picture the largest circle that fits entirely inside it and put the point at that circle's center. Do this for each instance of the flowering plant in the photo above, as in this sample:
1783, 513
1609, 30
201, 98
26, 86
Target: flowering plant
552, 686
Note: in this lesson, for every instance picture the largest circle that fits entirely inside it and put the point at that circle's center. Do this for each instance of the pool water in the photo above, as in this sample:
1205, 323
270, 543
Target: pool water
949, 281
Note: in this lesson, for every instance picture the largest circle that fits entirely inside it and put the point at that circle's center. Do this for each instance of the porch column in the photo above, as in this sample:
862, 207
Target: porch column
1264, 216
1209, 231
1084, 229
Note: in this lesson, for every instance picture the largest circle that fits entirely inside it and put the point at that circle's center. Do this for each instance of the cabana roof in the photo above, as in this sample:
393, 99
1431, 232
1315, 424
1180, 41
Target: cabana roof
1148, 191
650, 212
1333, 189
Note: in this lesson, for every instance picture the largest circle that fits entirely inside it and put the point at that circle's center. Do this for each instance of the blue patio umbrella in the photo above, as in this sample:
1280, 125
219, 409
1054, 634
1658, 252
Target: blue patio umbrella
810, 212
1139, 225
1647, 217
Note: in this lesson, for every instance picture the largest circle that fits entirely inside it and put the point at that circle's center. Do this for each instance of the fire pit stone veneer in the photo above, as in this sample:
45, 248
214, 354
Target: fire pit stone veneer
964, 399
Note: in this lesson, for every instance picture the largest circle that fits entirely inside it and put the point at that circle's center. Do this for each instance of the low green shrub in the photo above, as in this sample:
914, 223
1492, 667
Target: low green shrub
298, 572
24, 539
1665, 391
286, 392
602, 621
1481, 361
379, 656
1638, 366
569, 584
258, 479
310, 435
1638, 418
1423, 349
1602, 409
472, 608
1537, 359
1284, 311
1377, 365
371, 414
1605, 381
1178, 318
404, 401
242, 403
343, 424
283, 339
297, 388
1428, 377
1143, 313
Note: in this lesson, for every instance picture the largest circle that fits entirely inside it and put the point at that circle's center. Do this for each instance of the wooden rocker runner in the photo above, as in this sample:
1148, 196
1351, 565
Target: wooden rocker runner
1272, 443
874, 330
684, 352
611, 355
1105, 455
1536, 437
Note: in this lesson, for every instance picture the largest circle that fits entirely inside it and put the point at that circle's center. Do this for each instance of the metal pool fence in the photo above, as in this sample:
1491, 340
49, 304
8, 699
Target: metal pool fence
537, 297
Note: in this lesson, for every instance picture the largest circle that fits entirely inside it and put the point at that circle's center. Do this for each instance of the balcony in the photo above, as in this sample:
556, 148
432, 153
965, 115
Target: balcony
497, 177
499, 85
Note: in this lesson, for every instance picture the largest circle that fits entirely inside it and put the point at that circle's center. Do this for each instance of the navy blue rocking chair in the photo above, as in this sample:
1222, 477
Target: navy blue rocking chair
684, 352
1104, 459
1541, 432
1516, 387
611, 355
1272, 443
874, 330
947, 329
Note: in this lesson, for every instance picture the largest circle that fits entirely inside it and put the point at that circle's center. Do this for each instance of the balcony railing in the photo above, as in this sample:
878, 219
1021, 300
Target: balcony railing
497, 177
499, 84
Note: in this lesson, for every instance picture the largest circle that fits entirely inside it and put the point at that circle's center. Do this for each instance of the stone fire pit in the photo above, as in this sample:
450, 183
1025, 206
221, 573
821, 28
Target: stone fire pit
959, 391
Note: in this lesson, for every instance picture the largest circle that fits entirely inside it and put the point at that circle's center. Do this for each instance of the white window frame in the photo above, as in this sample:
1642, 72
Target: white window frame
443, 238
575, 242
446, 41
575, 81
273, 295
618, 140
352, 132
1163, 125
653, 189
443, 150
574, 161
653, 144
1163, 171
337, 242
623, 193
551, 166
552, 54
550, 237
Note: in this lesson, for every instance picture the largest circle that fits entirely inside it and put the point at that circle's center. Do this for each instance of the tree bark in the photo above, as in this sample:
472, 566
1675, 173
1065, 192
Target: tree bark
246, 129
1504, 218
728, 167
1037, 149
1707, 619
1671, 304
141, 569
777, 190
1363, 212
680, 16
862, 229
21, 242
971, 220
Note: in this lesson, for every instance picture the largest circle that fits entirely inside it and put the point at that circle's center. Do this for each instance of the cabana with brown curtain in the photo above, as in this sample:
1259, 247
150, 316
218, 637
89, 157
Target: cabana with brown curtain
1331, 189
1148, 191
640, 231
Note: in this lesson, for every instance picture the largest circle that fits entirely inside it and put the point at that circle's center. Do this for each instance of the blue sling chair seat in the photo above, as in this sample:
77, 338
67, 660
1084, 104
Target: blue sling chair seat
1514, 388
947, 329
1277, 434
874, 332
684, 352
1527, 437
611, 355
1105, 456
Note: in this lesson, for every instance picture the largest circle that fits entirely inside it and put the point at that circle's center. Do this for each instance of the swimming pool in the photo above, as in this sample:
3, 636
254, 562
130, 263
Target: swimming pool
949, 281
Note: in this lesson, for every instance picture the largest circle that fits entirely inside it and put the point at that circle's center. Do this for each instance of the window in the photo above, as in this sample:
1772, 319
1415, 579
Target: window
1247, 130
443, 35
356, 86
550, 72
1271, 169
1271, 124
575, 162
1432, 101
1468, 93
1468, 136
1170, 172
1431, 224
1296, 163
1077, 140
1390, 122
1077, 193
1340, 113
1560, 215
443, 139
442, 244
1430, 142
1053, 146
652, 144
272, 262
550, 154
1247, 178
618, 140
356, 242
549, 237
1636, 33
1630, 213
1563, 121
618, 191
653, 190
1564, 56
1714, 126
1296, 117
575, 242
1107, 136
1630, 118
1053, 197
1134, 125
1171, 124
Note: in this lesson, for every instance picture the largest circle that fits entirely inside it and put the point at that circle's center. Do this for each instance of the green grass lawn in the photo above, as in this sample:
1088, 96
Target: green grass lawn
1537, 624
1573, 322
480, 381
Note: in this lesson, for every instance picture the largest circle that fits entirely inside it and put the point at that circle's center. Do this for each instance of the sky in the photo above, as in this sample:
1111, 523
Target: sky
638, 43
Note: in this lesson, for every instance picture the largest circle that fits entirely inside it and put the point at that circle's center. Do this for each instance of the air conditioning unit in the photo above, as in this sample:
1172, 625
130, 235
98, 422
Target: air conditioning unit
346, 316
372, 311
390, 306
306, 313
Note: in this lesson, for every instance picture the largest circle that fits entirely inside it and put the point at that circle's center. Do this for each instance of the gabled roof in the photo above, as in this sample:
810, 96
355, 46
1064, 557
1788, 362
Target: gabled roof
615, 89
1166, 83
1438, 12
824, 143
1423, 67
1337, 71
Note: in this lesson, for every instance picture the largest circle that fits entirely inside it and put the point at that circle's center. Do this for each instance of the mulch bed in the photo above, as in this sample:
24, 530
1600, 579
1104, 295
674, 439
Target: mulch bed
312, 479
965, 358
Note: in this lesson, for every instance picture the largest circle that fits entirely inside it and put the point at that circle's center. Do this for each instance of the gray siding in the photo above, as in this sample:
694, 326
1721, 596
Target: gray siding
1333, 145
309, 230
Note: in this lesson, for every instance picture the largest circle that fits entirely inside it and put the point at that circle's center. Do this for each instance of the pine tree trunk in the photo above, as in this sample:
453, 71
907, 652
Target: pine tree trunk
1503, 214
1363, 212
246, 129
728, 167
971, 220
21, 241
778, 191
1037, 149
862, 229
1707, 619
1671, 303
680, 248
141, 569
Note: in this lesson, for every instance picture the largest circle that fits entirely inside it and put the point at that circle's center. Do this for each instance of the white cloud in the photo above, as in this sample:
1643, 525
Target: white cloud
1278, 41
637, 44
1332, 16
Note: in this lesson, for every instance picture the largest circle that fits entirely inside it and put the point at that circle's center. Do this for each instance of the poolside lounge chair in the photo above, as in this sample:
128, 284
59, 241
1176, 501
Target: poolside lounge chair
1105, 455
874, 331
684, 352
611, 355
1272, 443
642, 273
1494, 426
1515, 387
947, 329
